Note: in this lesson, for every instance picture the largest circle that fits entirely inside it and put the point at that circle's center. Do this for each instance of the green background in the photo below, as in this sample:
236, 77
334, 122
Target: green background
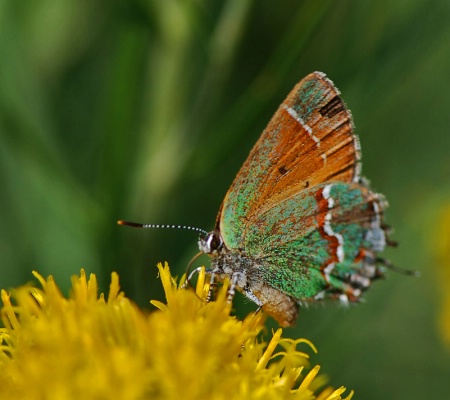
145, 110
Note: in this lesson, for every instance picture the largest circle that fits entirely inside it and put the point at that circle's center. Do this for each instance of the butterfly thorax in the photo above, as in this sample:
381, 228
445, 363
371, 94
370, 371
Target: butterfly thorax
227, 263
246, 274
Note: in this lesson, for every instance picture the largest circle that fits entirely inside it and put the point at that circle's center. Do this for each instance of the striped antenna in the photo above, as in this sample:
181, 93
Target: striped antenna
139, 225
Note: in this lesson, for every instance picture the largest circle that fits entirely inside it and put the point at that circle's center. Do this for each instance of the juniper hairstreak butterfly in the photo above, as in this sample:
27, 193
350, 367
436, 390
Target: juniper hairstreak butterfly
299, 224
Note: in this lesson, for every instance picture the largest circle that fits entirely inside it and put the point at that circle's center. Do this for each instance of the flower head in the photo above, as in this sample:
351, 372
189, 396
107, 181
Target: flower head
91, 347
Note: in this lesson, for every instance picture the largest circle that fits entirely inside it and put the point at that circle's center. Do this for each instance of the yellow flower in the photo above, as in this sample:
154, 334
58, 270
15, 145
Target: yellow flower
443, 252
89, 347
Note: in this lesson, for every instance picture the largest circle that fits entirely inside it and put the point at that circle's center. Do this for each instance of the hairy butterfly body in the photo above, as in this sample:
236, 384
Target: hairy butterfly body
299, 223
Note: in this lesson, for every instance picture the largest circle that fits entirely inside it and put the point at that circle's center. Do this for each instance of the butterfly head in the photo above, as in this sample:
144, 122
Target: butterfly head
212, 243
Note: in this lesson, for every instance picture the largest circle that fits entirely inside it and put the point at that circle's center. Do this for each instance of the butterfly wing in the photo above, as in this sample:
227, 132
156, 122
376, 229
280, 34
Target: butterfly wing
321, 238
309, 140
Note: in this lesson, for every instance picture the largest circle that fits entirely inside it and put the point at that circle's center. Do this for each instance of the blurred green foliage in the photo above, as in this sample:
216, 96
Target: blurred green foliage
145, 110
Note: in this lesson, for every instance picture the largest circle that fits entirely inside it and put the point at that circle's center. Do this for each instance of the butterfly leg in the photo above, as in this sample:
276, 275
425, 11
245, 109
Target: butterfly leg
188, 280
249, 294
234, 281
211, 285
258, 310
238, 280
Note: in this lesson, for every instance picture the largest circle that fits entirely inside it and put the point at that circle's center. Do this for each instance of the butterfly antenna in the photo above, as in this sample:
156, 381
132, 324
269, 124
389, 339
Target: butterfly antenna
189, 274
155, 226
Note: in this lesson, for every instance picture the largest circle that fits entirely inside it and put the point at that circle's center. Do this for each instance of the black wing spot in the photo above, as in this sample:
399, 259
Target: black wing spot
333, 107
282, 170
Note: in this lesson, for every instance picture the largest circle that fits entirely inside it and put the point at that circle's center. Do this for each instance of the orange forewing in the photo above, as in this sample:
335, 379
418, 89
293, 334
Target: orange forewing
309, 140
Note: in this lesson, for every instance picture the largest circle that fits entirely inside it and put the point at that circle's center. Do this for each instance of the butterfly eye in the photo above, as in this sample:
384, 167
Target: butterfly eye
211, 243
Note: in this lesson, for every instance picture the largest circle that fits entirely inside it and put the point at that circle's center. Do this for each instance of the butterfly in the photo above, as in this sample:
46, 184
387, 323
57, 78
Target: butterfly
299, 223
